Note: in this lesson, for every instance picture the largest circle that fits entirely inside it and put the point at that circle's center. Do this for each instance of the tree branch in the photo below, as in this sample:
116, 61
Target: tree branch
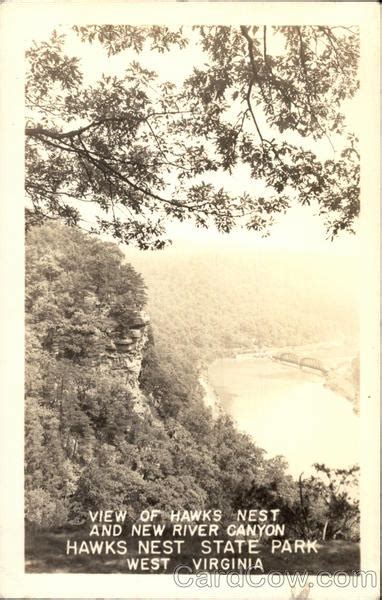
265, 43
248, 99
33, 131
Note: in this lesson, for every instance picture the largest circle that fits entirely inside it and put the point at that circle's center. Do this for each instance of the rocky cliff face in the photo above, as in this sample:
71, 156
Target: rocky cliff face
125, 354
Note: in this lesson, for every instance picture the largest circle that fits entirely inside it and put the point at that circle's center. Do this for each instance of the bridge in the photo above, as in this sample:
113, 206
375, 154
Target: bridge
306, 362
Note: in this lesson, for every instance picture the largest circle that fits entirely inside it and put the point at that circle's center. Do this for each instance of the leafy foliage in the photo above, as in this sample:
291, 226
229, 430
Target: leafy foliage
74, 310
145, 151
328, 504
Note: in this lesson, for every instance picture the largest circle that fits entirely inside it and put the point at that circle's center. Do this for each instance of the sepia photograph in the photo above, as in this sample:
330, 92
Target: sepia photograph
193, 301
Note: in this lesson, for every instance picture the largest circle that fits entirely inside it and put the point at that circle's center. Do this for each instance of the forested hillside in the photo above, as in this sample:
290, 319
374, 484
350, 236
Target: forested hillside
85, 444
207, 302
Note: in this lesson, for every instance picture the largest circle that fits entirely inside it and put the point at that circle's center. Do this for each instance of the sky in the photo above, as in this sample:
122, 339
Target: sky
300, 229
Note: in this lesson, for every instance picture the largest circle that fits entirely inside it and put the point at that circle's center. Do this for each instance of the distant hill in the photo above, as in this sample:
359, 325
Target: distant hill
204, 302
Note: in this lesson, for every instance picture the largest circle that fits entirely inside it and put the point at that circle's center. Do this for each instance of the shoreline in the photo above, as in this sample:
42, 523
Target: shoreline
210, 398
333, 379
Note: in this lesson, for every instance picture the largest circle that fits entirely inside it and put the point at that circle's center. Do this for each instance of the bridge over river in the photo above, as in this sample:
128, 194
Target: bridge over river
262, 395
305, 362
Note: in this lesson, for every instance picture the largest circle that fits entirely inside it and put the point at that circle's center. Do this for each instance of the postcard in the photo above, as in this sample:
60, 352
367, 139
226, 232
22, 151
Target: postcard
190, 258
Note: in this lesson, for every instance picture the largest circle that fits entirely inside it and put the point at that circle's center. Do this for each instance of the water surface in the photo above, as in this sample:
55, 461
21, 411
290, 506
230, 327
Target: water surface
288, 411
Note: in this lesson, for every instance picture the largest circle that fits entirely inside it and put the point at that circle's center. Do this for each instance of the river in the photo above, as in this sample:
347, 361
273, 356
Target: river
288, 411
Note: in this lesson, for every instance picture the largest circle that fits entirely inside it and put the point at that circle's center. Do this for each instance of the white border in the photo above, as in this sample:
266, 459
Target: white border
15, 19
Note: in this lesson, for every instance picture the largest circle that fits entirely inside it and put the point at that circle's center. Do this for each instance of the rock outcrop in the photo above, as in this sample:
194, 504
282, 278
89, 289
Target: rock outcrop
125, 354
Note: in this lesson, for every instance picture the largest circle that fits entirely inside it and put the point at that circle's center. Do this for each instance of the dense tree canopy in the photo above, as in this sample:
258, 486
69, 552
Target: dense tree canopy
203, 305
85, 445
266, 101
